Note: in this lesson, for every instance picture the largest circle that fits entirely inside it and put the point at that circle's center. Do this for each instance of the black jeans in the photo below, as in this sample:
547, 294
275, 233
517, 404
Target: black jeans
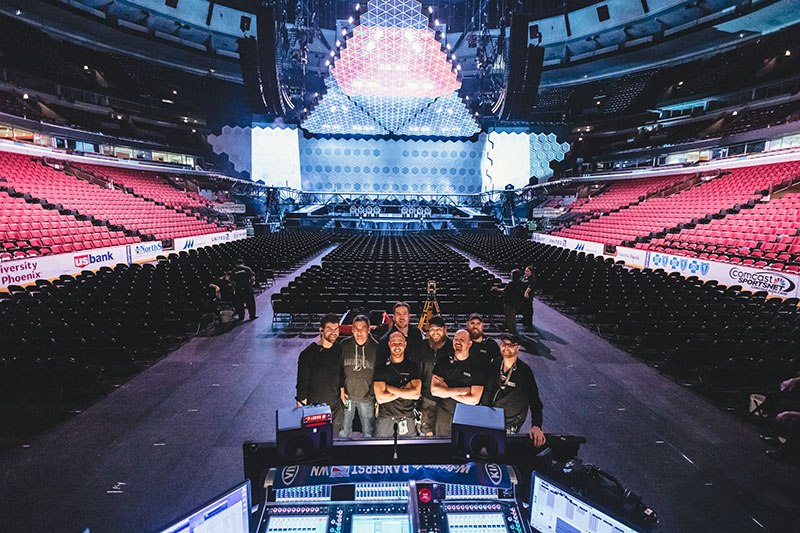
527, 313
242, 298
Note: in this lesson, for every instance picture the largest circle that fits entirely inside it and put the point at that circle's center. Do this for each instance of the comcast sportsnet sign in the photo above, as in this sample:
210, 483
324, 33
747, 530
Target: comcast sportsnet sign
772, 282
88, 259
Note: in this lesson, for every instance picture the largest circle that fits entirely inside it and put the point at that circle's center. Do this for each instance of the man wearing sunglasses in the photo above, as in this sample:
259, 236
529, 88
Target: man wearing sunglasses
512, 386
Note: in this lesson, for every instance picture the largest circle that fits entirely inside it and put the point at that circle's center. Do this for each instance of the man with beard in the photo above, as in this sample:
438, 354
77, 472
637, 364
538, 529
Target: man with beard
483, 348
320, 376
512, 387
358, 357
436, 346
401, 319
456, 379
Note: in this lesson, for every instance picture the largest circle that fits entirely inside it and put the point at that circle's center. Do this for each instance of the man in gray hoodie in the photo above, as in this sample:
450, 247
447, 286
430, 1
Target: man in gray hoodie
358, 358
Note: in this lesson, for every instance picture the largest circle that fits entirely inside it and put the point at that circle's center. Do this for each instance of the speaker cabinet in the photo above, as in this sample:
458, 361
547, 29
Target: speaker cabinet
299, 442
523, 73
479, 432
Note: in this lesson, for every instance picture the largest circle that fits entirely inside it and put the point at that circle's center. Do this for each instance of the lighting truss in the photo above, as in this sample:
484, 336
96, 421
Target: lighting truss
392, 72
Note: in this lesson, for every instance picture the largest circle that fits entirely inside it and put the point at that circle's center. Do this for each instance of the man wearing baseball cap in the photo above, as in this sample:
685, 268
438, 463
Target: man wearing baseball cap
512, 386
483, 348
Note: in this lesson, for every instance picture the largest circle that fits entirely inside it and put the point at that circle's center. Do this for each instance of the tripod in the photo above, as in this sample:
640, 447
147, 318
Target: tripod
431, 305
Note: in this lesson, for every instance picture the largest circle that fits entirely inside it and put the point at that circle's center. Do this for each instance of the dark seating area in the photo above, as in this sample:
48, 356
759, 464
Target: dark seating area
723, 342
370, 273
76, 332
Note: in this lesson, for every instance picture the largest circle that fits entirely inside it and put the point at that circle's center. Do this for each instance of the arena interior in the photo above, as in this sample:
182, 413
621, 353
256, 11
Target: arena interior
554, 238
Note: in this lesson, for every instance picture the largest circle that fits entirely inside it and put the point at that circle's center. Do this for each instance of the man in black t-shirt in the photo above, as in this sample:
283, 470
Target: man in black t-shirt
527, 301
397, 387
436, 345
483, 348
320, 375
512, 386
401, 321
456, 378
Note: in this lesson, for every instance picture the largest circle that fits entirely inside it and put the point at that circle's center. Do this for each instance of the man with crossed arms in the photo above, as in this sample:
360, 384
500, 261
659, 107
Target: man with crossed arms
457, 378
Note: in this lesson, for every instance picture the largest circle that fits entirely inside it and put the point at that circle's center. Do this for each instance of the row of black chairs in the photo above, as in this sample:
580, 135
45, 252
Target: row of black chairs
373, 273
722, 341
69, 333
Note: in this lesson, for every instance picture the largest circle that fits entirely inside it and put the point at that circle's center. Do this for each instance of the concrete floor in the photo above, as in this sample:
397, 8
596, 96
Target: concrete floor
171, 437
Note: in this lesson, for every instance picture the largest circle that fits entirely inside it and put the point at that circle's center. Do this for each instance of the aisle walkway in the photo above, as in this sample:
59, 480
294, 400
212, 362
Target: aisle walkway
171, 437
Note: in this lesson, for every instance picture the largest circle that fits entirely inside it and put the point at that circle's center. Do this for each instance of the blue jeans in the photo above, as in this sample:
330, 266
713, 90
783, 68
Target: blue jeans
366, 413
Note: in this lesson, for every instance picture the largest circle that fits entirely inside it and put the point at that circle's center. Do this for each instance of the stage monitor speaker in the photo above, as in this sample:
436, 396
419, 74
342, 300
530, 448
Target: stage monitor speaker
304, 433
523, 73
479, 432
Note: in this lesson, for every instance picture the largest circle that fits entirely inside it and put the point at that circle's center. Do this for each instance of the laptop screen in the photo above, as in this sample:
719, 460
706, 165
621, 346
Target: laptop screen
228, 513
555, 510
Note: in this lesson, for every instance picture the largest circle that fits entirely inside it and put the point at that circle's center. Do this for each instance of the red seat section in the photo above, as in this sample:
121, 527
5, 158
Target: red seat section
115, 206
28, 230
710, 198
623, 193
151, 185
767, 233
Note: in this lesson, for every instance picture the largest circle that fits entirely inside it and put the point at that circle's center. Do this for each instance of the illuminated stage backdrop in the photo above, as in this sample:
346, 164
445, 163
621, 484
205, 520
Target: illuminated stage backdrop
392, 76
282, 157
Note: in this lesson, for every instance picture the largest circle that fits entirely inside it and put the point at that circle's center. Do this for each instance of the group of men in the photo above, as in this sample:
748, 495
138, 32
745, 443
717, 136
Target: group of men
410, 384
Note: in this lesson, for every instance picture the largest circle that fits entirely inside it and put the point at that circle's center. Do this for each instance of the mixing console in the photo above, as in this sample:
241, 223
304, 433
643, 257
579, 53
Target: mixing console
468, 498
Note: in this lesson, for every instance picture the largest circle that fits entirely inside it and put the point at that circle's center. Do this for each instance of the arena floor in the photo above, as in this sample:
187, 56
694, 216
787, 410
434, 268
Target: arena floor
171, 437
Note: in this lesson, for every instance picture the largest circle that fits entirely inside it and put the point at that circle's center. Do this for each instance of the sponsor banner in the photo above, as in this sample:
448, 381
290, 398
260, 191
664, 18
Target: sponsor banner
145, 251
687, 266
190, 243
230, 207
27, 271
595, 248
486, 474
632, 256
782, 284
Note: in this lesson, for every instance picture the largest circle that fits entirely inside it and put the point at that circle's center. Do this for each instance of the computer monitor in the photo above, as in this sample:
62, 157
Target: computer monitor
228, 513
388, 523
555, 509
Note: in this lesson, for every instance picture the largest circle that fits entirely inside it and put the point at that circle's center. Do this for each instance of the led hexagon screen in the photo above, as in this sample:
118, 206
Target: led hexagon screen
394, 71
336, 113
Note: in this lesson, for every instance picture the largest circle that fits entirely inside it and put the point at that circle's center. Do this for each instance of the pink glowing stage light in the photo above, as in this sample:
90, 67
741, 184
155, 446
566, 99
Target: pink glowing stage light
394, 62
